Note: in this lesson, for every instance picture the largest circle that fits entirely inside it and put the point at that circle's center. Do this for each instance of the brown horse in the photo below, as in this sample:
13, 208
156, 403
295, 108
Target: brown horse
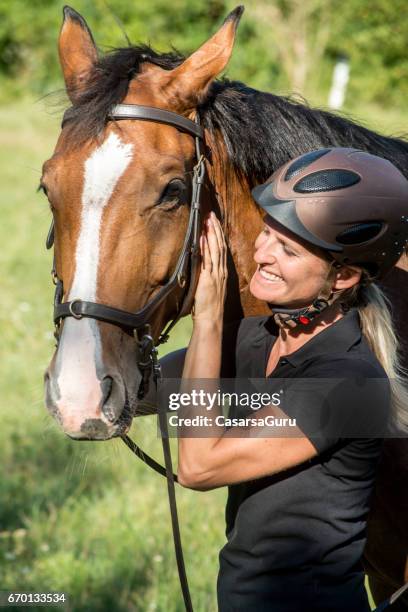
119, 194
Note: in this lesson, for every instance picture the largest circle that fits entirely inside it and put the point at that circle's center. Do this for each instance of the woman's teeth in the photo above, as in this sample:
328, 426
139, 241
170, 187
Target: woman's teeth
273, 278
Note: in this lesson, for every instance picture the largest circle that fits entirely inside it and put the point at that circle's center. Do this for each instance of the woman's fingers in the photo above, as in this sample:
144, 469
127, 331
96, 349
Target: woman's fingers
213, 246
217, 231
206, 262
222, 245
212, 243
210, 292
202, 251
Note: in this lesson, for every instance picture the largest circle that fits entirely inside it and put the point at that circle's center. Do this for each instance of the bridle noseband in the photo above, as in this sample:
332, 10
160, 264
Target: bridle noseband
185, 276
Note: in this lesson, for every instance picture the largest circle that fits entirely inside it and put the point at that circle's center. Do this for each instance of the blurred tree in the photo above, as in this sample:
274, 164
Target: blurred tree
297, 32
288, 45
375, 36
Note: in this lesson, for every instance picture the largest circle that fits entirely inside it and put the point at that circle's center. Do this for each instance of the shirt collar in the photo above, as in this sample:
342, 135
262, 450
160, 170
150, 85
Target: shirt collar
337, 338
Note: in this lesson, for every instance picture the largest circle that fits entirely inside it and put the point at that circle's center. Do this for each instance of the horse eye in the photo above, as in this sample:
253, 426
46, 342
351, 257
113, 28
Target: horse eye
175, 190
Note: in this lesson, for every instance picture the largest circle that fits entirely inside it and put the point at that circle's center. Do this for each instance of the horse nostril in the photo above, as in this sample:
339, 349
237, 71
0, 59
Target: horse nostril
106, 386
94, 429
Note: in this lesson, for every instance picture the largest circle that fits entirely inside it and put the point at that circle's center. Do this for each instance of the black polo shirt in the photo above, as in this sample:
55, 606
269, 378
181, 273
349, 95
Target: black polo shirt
295, 539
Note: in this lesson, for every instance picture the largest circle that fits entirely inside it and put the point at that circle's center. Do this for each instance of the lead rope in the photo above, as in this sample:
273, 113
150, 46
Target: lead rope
149, 361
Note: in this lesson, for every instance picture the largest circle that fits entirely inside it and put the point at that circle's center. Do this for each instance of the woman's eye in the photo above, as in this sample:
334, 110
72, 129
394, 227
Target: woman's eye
265, 230
288, 251
173, 192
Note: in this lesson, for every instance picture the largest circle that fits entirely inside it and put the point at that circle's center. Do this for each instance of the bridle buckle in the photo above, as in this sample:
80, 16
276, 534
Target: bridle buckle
181, 279
71, 310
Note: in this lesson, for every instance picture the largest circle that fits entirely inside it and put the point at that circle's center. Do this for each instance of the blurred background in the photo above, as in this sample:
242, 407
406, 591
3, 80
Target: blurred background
90, 519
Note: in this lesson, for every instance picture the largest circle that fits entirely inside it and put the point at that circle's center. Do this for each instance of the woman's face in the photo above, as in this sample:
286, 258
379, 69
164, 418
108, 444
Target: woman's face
289, 273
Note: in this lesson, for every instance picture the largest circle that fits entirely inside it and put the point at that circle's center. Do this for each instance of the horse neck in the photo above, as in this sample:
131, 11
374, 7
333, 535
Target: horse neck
242, 221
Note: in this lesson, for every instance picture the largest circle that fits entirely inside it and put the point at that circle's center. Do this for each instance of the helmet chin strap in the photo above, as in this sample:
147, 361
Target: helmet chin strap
295, 317
291, 318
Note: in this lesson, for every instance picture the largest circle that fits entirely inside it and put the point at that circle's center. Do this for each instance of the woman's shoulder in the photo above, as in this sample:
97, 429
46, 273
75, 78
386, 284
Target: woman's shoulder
343, 350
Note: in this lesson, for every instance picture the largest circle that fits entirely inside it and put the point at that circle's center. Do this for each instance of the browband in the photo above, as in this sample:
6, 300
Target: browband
149, 113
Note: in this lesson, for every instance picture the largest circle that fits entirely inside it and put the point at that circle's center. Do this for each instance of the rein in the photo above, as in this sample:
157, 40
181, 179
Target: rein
185, 276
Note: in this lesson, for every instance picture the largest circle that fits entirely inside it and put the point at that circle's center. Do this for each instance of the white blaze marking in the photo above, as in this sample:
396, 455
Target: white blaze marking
103, 169
79, 352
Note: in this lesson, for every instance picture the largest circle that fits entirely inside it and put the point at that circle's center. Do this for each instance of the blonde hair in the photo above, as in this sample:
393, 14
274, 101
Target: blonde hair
376, 323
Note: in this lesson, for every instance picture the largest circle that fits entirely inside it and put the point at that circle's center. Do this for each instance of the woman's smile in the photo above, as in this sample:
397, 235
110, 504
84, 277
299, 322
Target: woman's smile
266, 276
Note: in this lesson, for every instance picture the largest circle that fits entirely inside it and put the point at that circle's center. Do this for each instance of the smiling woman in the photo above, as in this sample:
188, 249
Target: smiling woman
297, 506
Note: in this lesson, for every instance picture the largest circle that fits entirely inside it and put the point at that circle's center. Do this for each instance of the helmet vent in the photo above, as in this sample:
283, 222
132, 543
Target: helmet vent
304, 161
326, 180
362, 232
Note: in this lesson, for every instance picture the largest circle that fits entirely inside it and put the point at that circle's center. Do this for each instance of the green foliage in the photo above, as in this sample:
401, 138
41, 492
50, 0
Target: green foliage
373, 33
375, 36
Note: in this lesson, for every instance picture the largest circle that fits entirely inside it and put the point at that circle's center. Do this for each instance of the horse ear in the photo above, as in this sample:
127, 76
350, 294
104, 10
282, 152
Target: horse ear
188, 83
77, 51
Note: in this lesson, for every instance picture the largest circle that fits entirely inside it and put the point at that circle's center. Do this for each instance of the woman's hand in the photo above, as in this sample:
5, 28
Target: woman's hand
211, 287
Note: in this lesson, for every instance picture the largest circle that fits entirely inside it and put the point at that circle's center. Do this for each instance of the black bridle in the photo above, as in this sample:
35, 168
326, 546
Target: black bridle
190, 254
185, 276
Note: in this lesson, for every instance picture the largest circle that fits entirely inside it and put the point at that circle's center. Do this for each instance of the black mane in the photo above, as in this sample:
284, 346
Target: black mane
261, 131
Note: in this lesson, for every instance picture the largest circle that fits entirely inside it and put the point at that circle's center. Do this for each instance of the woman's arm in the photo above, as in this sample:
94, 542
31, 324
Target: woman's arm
223, 456
227, 461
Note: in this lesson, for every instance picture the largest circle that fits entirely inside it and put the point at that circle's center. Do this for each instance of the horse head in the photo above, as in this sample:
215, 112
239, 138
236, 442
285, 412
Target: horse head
119, 192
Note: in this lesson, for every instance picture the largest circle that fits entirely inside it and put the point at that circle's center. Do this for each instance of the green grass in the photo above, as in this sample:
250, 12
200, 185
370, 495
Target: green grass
88, 519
